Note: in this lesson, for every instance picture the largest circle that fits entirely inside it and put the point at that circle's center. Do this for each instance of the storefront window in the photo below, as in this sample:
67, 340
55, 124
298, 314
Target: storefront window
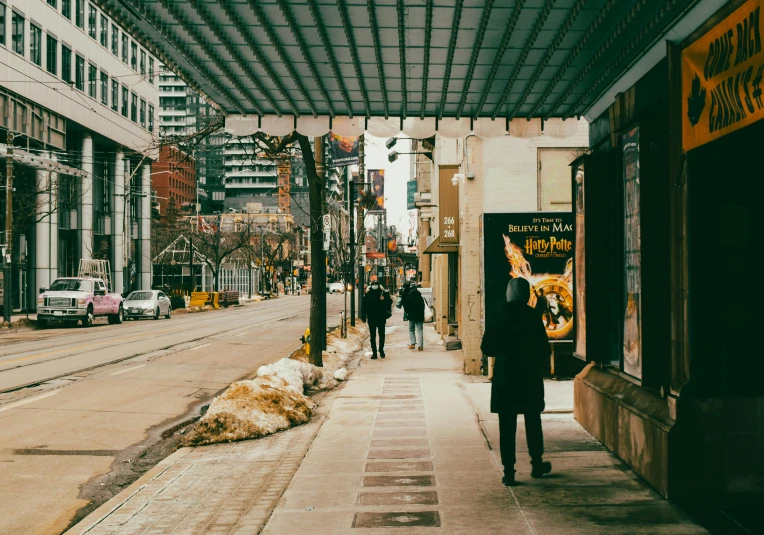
580, 263
632, 306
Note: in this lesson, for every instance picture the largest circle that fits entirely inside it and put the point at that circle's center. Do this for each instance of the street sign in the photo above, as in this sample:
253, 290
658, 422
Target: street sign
327, 218
411, 195
327, 238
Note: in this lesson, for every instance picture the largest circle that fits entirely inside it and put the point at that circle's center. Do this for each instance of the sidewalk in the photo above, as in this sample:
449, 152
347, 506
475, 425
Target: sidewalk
408, 443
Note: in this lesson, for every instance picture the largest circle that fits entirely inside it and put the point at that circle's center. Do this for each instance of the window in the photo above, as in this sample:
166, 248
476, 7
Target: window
104, 88
114, 95
79, 13
134, 107
143, 63
114, 40
92, 21
151, 70
35, 44
66, 8
17, 34
2, 24
133, 56
124, 48
92, 80
151, 118
52, 3
143, 113
51, 61
79, 73
104, 31
66, 64
632, 305
124, 101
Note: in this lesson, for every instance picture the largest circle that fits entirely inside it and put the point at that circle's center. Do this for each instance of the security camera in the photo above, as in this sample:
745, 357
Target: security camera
455, 179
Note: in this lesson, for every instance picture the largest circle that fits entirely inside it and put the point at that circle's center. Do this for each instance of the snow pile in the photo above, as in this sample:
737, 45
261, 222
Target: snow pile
252, 409
275, 400
297, 375
341, 374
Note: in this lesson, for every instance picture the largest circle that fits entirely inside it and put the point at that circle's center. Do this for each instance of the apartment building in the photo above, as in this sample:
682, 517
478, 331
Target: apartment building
78, 99
173, 181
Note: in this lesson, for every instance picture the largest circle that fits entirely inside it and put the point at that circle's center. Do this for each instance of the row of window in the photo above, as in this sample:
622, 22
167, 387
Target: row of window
86, 80
129, 52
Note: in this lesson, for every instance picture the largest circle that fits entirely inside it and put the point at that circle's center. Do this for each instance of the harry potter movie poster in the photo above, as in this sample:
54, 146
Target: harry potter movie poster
539, 247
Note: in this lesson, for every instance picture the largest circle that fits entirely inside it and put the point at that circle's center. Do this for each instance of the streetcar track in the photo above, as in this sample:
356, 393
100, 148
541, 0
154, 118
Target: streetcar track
39, 382
185, 323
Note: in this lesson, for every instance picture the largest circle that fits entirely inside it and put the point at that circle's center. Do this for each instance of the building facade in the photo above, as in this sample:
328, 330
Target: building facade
666, 204
79, 99
173, 181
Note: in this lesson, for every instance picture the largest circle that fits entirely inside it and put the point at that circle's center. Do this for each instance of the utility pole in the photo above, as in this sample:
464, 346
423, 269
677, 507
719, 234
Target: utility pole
191, 263
351, 256
8, 272
321, 270
362, 179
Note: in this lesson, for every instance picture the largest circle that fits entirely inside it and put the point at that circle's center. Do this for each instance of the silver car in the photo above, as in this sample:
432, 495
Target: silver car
147, 304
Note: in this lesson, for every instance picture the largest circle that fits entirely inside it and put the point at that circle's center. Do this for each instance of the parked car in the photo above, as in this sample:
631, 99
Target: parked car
79, 299
147, 304
337, 287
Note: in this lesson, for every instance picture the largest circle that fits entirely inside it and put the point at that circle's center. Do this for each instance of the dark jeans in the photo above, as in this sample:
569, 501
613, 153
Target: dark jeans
374, 327
507, 437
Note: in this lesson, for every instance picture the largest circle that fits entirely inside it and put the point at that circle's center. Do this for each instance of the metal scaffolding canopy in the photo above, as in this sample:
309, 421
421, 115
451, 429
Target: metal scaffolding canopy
402, 59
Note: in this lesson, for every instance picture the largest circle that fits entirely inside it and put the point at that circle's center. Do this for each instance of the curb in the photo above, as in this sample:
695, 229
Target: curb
99, 515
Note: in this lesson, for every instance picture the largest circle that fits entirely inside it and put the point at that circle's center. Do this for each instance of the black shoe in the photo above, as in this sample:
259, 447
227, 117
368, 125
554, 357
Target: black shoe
509, 479
382, 353
374, 356
541, 468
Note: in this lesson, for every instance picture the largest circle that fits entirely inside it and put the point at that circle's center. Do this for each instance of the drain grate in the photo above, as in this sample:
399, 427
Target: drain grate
399, 481
399, 466
422, 519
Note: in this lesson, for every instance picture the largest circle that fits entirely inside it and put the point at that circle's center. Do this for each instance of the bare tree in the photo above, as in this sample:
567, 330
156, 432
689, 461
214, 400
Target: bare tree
218, 243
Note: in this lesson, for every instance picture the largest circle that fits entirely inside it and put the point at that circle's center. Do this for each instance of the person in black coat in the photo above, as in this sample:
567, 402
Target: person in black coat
377, 304
413, 305
517, 339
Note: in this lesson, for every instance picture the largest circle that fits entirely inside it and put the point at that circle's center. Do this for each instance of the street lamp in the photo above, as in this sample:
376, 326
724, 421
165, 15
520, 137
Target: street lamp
394, 155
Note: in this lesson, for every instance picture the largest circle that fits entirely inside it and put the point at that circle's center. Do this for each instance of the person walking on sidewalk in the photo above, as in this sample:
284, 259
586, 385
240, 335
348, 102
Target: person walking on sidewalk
517, 339
377, 307
413, 305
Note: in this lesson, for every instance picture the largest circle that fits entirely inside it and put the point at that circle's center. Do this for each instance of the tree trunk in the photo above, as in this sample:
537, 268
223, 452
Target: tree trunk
317, 254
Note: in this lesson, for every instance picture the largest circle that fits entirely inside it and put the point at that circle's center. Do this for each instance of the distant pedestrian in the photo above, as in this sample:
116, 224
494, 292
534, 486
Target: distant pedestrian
377, 307
413, 305
517, 338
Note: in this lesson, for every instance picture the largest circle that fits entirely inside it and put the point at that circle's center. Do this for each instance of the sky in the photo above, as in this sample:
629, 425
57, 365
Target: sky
396, 176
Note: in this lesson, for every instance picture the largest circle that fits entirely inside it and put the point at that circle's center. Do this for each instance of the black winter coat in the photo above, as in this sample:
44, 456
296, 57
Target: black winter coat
374, 308
413, 305
518, 340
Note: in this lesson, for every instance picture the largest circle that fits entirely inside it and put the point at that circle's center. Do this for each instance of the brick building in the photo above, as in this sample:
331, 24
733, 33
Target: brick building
173, 180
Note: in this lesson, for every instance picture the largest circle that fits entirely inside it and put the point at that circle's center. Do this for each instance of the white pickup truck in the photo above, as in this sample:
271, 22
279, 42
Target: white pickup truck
78, 299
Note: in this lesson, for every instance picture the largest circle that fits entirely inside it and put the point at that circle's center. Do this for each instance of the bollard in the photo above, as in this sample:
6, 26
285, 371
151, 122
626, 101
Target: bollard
305, 339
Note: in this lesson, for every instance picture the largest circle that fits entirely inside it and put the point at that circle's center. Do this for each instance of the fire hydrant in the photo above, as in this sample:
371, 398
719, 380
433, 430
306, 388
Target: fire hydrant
305, 339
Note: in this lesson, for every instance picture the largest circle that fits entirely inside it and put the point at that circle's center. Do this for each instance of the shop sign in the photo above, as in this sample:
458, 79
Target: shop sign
538, 246
448, 206
722, 75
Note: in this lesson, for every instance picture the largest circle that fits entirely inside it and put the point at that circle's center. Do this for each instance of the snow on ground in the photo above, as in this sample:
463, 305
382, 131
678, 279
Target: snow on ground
275, 400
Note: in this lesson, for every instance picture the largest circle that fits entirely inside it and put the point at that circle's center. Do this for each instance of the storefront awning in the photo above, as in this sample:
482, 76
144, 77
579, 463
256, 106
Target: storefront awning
436, 248
417, 67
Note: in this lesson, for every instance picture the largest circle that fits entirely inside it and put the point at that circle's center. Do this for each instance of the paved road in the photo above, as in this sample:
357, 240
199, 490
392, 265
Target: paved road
77, 403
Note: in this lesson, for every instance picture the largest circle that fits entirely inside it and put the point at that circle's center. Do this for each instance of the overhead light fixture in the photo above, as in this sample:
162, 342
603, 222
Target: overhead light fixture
390, 143
455, 179
392, 156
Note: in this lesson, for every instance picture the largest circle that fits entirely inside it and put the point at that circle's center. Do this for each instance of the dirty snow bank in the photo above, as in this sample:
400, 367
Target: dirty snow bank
275, 400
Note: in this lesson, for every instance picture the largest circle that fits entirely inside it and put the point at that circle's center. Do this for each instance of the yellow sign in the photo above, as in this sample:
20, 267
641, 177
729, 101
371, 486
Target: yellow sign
722, 76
